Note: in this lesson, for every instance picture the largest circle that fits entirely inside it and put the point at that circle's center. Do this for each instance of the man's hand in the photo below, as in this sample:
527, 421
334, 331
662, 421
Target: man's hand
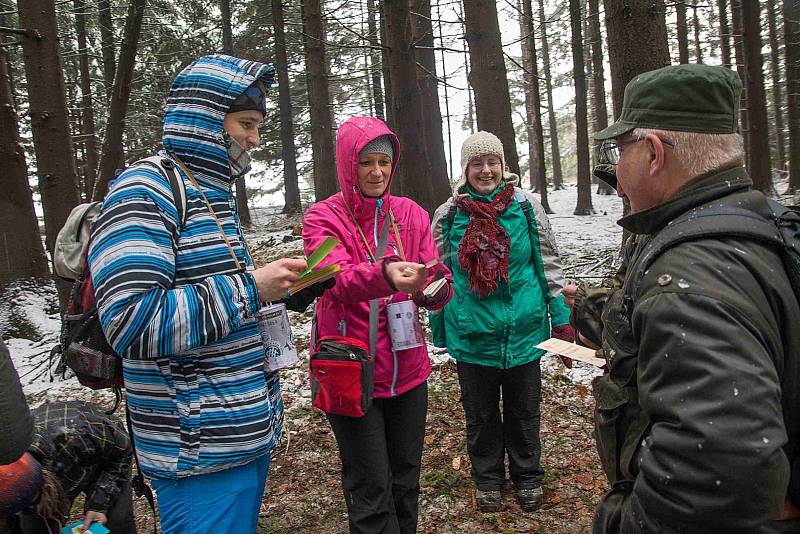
93, 517
569, 292
406, 276
274, 278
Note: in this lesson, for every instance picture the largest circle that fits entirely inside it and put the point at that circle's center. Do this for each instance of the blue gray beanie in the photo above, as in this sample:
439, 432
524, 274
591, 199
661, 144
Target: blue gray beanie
380, 145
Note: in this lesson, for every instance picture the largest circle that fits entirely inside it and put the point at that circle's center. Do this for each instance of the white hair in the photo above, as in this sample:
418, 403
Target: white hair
701, 153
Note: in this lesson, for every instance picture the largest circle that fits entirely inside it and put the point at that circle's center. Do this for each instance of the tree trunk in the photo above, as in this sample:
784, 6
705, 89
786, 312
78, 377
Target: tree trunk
533, 105
588, 69
227, 31
415, 175
430, 122
791, 35
387, 79
242, 206
488, 78
760, 169
526, 34
470, 118
598, 73
698, 49
446, 97
738, 47
21, 251
325, 182
682, 31
107, 44
375, 61
87, 107
724, 33
113, 154
52, 142
628, 25
584, 206
555, 152
287, 121
777, 88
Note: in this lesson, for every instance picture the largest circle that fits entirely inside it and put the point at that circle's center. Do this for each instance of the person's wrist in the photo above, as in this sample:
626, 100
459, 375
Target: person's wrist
385, 262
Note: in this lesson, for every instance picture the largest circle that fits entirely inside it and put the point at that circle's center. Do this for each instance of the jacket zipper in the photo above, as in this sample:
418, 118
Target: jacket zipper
393, 391
378, 254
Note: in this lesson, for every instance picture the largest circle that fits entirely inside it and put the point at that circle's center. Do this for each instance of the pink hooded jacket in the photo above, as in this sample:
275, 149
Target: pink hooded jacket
344, 309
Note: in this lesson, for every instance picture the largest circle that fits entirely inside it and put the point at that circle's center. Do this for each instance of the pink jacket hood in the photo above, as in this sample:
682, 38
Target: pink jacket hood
353, 136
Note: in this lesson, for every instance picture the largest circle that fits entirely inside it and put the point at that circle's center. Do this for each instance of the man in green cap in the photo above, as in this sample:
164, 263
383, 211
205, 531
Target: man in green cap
697, 415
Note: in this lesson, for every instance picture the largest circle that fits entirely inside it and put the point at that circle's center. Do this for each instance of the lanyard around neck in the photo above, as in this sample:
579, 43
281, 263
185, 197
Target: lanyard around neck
364, 238
210, 210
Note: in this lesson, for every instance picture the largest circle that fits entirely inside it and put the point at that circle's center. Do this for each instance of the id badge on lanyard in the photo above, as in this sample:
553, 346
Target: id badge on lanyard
405, 330
276, 335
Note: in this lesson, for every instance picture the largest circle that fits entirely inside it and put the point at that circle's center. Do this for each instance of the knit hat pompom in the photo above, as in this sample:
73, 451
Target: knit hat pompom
481, 144
380, 145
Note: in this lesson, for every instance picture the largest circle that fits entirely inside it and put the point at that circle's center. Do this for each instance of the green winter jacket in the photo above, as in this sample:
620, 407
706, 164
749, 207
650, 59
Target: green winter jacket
502, 329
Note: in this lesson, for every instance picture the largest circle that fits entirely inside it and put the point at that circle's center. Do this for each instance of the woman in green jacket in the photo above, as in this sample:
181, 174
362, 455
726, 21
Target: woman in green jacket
507, 281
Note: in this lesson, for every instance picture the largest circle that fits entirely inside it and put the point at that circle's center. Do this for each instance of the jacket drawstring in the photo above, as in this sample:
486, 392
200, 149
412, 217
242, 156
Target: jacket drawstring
378, 208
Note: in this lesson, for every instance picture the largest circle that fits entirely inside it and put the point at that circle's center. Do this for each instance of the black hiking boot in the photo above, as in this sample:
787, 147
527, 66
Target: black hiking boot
488, 501
530, 499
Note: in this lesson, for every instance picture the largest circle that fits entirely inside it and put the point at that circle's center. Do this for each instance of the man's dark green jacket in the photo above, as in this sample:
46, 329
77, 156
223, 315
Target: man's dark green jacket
697, 417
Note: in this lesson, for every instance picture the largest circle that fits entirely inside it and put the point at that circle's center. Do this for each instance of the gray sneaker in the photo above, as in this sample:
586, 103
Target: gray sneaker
488, 501
530, 499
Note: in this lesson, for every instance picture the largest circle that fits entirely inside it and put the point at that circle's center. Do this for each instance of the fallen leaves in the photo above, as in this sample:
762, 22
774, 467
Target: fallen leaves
306, 477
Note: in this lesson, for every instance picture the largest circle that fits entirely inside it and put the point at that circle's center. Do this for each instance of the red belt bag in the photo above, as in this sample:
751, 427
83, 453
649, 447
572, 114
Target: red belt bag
342, 369
342, 376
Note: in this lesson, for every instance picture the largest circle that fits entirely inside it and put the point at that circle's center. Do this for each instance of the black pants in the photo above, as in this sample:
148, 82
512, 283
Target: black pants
381, 456
120, 518
490, 434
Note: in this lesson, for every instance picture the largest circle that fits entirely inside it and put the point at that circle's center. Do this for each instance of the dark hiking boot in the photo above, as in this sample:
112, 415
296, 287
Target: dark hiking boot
530, 499
488, 501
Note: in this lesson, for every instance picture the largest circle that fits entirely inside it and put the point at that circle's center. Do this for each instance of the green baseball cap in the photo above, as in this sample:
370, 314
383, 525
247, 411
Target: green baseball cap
683, 98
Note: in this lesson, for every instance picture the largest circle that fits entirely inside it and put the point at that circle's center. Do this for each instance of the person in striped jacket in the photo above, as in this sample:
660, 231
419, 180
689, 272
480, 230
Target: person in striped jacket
177, 299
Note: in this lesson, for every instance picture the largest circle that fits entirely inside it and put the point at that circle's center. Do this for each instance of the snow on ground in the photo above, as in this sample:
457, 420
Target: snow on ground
581, 242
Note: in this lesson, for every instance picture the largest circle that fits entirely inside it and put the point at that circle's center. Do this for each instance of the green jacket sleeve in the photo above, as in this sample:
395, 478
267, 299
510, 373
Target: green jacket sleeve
559, 311
436, 320
587, 312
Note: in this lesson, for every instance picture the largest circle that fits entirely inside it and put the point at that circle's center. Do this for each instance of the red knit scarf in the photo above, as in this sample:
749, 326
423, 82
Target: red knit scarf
483, 251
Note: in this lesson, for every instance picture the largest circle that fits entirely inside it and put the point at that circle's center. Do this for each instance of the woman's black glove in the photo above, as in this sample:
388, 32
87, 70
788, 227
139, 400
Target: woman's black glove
300, 300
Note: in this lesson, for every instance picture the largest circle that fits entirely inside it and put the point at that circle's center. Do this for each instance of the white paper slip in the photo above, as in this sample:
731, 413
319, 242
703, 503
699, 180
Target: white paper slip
571, 350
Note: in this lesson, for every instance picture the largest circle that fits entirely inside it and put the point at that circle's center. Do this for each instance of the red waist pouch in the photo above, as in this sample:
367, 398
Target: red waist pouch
342, 376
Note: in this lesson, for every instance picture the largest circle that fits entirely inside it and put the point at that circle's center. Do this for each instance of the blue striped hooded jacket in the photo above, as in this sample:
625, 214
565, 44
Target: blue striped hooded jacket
171, 300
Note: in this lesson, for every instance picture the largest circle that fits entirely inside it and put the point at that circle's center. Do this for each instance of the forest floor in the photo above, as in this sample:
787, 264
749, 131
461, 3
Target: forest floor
303, 492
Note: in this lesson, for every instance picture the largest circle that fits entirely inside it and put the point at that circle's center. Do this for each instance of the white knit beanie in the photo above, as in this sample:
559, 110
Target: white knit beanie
481, 144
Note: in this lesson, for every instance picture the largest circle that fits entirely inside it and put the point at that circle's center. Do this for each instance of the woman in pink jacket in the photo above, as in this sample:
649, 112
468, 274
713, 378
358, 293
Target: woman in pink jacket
381, 452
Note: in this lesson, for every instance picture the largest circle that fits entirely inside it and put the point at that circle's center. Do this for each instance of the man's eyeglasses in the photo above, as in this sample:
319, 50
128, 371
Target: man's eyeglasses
610, 150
